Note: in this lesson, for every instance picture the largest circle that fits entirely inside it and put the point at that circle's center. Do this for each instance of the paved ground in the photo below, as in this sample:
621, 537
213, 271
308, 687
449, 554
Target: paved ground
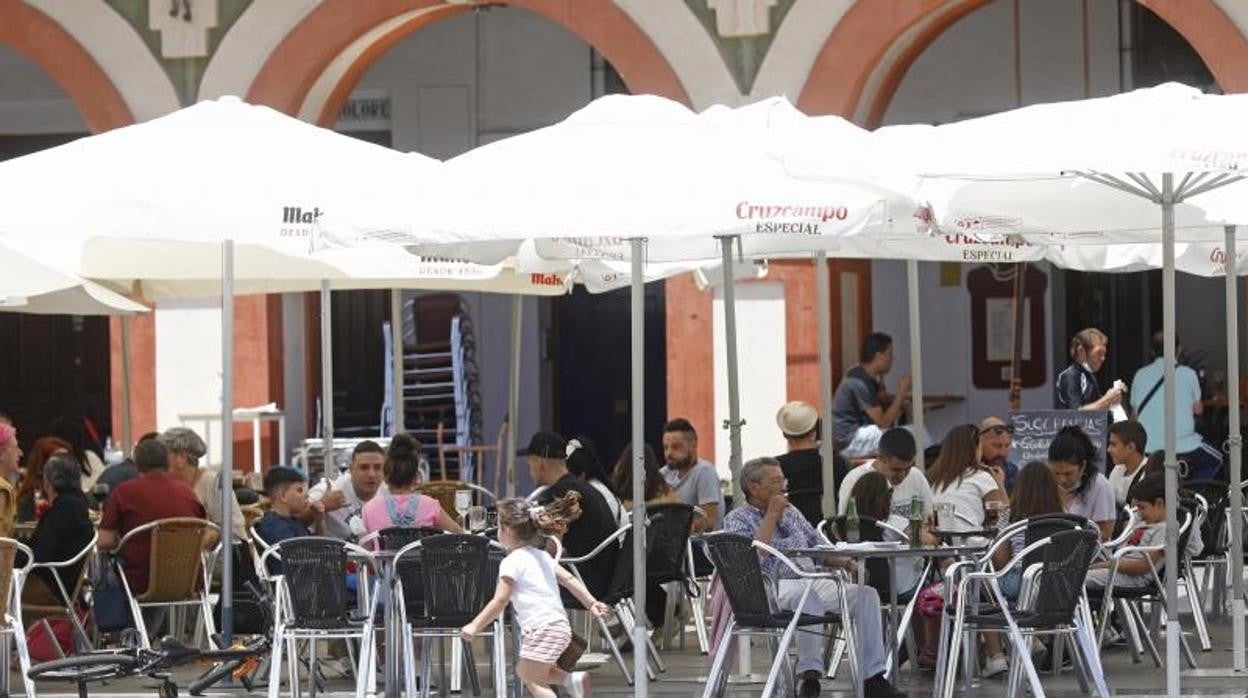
686, 669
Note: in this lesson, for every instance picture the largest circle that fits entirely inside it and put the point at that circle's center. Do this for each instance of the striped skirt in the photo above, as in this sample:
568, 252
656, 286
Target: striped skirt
545, 643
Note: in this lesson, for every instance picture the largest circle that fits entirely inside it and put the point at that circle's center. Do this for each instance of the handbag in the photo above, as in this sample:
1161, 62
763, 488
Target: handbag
572, 653
110, 605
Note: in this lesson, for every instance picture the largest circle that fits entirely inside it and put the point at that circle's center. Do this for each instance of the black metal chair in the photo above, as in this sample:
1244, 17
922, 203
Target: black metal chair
1051, 602
312, 604
755, 610
667, 543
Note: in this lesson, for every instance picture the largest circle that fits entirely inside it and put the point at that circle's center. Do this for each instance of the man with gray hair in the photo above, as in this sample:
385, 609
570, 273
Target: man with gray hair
185, 450
767, 516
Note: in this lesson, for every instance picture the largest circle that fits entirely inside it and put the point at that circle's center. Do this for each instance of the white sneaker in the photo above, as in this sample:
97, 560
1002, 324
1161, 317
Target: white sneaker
995, 665
579, 684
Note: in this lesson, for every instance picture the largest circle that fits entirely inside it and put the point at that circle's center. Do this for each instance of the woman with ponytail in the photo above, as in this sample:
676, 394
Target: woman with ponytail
1084, 490
529, 579
400, 504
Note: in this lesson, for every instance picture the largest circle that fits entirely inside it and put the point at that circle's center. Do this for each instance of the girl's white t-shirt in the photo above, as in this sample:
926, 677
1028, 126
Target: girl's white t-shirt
535, 590
967, 496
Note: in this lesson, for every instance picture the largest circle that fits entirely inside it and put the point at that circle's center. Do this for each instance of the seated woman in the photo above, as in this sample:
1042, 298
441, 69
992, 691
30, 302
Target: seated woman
400, 504
1035, 494
583, 463
873, 497
62, 532
1084, 490
655, 488
30, 489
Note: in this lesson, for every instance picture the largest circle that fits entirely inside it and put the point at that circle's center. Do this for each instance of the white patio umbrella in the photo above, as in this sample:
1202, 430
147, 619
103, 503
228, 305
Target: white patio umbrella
1093, 173
637, 180
28, 285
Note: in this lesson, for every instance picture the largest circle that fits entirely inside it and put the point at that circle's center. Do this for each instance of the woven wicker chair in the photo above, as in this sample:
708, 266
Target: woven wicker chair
177, 573
11, 580
311, 604
41, 602
444, 491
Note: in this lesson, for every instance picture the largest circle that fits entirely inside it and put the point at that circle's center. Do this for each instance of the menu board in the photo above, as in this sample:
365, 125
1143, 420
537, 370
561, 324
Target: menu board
1035, 429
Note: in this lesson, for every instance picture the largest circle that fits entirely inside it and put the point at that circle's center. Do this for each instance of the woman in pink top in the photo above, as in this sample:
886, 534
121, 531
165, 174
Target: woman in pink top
402, 505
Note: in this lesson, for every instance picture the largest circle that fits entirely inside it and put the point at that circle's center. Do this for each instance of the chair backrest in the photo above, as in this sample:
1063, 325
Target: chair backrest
407, 569
175, 565
453, 568
879, 572
1064, 566
444, 492
621, 584
667, 535
8, 555
736, 562
1043, 526
316, 581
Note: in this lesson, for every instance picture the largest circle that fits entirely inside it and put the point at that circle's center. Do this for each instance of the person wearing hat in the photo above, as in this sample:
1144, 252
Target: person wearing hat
995, 439
547, 458
803, 464
185, 449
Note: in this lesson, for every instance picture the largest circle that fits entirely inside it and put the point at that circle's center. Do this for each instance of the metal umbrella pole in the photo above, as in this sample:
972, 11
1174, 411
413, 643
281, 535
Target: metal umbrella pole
637, 311
327, 382
1172, 467
127, 428
397, 401
1235, 449
734, 387
827, 450
513, 391
916, 362
227, 439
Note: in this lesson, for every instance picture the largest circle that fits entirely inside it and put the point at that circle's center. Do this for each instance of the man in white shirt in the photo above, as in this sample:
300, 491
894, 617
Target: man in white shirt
895, 462
1204, 462
343, 499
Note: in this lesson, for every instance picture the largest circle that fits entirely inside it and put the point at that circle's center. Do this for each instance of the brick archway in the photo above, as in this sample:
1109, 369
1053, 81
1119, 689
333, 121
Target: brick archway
330, 34
868, 53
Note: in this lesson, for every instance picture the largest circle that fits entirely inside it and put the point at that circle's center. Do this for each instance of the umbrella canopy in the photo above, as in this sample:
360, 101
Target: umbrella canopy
628, 167
30, 286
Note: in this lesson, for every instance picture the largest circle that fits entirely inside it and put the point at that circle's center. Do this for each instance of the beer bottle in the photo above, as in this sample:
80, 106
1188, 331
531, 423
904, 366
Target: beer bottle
852, 522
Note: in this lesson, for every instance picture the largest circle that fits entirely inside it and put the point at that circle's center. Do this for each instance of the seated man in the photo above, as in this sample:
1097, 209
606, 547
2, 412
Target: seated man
185, 451
995, 439
896, 463
152, 496
768, 517
802, 463
861, 409
287, 490
694, 479
1127, 450
547, 457
342, 500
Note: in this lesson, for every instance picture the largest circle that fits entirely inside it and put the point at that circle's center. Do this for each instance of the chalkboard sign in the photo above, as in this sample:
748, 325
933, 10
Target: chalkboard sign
1035, 429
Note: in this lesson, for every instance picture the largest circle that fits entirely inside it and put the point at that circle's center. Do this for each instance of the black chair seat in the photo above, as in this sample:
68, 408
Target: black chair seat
781, 619
992, 617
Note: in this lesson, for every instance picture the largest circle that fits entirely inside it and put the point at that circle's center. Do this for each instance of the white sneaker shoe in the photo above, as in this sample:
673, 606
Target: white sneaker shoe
579, 684
995, 665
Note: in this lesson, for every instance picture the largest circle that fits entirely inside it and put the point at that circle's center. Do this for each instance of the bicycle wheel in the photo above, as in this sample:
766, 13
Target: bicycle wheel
85, 667
213, 676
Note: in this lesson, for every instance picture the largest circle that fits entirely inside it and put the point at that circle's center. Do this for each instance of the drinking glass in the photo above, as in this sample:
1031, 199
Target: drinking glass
476, 519
945, 519
463, 500
995, 514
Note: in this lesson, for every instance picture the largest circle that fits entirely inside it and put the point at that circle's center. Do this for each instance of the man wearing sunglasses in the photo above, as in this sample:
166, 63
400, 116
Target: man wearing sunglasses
995, 438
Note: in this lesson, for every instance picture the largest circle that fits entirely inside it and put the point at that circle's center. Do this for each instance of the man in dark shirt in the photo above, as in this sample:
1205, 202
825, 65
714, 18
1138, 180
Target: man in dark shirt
861, 410
547, 456
287, 490
803, 465
63, 531
1076, 387
152, 496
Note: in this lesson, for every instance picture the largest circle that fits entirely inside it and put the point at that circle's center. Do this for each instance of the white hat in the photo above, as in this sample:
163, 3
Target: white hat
797, 418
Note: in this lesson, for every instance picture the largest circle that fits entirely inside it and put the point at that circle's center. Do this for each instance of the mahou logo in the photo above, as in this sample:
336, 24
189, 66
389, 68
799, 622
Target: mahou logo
294, 215
545, 280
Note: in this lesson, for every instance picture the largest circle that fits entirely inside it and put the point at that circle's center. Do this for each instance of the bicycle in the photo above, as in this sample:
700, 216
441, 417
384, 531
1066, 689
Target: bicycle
239, 661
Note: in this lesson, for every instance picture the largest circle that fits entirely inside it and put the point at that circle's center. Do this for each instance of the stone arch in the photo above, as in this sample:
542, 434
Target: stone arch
44, 42
312, 70
868, 53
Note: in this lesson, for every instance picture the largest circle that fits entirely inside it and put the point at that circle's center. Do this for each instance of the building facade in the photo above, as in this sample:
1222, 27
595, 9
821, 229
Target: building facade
442, 77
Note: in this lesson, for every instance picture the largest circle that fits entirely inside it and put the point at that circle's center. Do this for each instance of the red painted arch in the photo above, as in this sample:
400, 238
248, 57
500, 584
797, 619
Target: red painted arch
294, 66
871, 32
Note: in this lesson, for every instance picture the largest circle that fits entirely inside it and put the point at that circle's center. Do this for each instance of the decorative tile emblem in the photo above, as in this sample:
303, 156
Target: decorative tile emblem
737, 18
183, 26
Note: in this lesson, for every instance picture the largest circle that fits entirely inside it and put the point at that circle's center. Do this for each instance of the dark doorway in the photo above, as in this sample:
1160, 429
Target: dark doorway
52, 364
591, 368
1127, 307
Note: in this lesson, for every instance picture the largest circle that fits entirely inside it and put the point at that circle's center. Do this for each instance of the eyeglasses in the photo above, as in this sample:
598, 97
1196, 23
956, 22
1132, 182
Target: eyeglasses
998, 429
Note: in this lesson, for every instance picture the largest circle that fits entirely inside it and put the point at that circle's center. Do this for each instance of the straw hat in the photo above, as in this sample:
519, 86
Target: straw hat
797, 418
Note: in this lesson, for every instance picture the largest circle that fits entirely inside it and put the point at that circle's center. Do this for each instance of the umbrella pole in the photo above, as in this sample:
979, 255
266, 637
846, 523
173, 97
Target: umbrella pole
127, 433
734, 387
1172, 473
227, 440
1236, 446
397, 403
513, 391
327, 382
916, 362
827, 451
637, 312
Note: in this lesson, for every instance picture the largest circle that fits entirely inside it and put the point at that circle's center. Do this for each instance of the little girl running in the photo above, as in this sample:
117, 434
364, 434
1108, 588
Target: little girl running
529, 579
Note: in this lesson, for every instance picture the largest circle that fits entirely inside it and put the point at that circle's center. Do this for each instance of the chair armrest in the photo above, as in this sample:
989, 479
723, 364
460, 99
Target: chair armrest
613, 538
82, 554
787, 562
1014, 562
1133, 523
